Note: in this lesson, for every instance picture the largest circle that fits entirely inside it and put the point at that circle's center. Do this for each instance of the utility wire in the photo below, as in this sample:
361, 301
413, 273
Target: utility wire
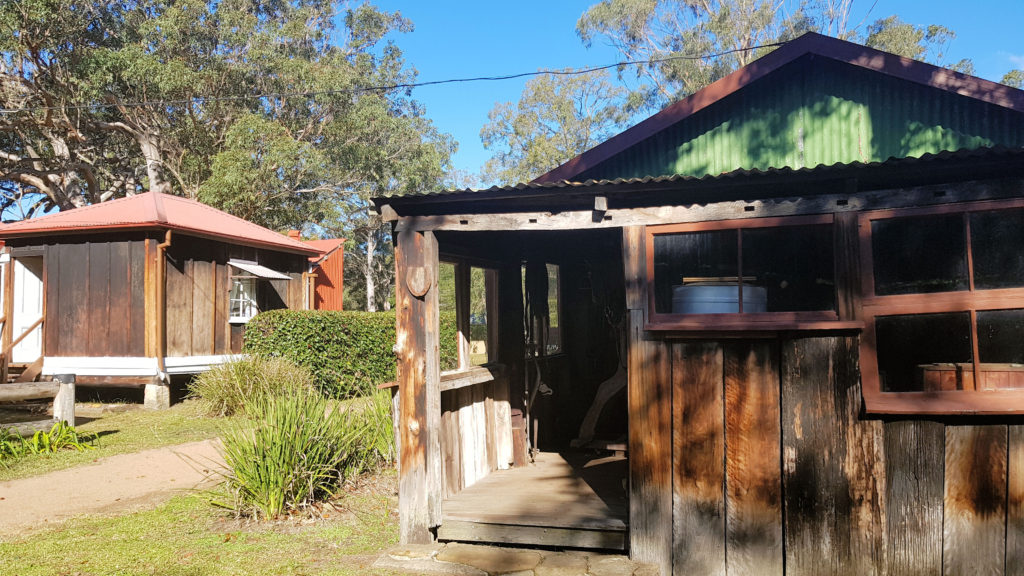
384, 88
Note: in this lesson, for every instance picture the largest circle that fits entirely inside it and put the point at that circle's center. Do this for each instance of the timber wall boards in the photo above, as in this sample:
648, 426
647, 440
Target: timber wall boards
95, 299
774, 471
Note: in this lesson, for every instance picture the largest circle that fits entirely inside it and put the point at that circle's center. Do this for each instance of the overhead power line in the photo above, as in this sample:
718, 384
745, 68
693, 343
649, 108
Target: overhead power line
383, 88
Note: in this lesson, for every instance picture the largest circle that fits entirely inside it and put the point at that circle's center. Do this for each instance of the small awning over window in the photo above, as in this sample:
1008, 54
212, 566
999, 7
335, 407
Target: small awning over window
257, 270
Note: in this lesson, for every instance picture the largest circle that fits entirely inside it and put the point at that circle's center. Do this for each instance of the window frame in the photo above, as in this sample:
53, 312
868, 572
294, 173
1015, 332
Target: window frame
746, 321
252, 300
463, 280
972, 300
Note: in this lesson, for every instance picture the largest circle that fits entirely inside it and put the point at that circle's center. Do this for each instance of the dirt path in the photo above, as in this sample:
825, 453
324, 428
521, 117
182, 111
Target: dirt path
122, 483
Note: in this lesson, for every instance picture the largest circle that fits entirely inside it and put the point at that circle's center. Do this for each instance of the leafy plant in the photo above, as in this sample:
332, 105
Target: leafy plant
298, 449
229, 388
349, 353
60, 436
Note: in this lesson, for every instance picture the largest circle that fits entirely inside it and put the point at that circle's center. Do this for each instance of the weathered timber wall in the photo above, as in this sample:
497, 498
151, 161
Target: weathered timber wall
775, 471
95, 298
198, 292
474, 434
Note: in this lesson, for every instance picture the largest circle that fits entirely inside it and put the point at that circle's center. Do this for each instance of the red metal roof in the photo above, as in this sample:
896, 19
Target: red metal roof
160, 211
810, 43
326, 247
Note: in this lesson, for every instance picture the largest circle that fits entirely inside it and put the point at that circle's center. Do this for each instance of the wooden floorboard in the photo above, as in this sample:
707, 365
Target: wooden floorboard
570, 499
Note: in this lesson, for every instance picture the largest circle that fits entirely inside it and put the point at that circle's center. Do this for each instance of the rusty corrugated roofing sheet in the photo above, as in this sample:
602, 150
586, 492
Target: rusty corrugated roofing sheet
525, 189
155, 210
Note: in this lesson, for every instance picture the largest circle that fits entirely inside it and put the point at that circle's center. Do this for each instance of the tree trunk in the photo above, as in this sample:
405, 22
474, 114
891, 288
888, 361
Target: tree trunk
154, 164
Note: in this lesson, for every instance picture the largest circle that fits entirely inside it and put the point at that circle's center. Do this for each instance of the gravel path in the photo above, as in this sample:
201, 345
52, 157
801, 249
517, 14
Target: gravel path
117, 484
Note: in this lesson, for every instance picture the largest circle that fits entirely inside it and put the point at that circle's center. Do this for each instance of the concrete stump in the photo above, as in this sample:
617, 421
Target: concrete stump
64, 401
158, 396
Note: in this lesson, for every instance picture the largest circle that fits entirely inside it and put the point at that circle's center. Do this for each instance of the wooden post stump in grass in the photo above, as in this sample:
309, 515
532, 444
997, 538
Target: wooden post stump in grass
64, 401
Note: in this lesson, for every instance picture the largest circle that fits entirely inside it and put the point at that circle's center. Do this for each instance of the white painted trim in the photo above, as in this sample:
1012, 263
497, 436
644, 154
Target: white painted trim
130, 365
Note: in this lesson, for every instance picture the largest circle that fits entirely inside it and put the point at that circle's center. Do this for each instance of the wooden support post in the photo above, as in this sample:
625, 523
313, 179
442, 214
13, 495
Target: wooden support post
649, 398
8, 313
420, 481
509, 395
64, 401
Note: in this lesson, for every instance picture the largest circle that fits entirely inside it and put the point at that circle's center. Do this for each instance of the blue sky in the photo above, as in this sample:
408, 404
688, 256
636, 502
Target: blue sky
455, 39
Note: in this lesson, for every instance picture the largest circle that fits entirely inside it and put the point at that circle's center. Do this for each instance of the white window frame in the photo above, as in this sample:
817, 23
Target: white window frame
243, 293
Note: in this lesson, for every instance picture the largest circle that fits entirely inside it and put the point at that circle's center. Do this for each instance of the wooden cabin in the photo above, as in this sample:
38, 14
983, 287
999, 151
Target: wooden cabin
135, 291
328, 274
790, 332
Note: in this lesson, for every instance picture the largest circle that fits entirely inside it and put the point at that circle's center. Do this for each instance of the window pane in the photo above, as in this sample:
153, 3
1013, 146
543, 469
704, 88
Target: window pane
792, 266
997, 242
478, 352
916, 255
1001, 336
1001, 349
924, 351
554, 343
699, 257
446, 304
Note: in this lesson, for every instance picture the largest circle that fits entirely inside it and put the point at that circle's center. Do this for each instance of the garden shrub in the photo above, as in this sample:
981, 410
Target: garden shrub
348, 353
299, 448
60, 436
229, 388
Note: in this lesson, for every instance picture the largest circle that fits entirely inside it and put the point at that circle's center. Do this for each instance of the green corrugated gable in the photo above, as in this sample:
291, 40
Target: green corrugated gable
817, 111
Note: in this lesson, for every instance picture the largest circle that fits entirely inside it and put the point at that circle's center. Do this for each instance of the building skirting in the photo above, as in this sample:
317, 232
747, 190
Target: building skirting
141, 366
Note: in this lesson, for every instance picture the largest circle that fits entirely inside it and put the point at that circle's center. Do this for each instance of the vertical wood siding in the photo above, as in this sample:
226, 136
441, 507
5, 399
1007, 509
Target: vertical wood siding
775, 471
94, 299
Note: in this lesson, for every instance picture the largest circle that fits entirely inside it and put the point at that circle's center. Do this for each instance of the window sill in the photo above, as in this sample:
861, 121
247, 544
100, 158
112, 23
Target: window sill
238, 320
951, 403
455, 379
774, 322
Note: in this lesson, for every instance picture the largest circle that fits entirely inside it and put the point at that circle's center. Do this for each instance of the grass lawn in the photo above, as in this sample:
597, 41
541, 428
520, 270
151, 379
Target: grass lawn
131, 431
187, 537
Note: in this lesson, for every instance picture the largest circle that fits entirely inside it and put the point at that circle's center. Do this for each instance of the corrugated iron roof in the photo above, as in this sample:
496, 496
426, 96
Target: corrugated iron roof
155, 210
596, 186
809, 43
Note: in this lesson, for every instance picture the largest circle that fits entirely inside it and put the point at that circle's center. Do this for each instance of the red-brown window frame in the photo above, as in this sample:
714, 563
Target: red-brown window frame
744, 321
971, 300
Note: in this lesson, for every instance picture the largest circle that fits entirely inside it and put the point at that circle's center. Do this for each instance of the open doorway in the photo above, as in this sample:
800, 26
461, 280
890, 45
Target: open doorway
554, 311
26, 311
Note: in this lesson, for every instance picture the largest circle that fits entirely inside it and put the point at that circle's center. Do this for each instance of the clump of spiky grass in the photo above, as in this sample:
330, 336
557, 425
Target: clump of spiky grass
230, 388
298, 448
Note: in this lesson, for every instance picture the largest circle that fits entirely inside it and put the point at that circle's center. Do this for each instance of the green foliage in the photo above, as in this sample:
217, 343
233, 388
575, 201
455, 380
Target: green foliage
1014, 79
299, 449
229, 388
556, 118
61, 436
348, 353
646, 30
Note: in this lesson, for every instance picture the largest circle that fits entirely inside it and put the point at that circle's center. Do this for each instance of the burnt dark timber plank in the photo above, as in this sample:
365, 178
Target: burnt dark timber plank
1015, 503
99, 299
914, 469
202, 307
119, 315
833, 473
752, 454
137, 299
462, 531
847, 265
698, 456
74, 299
51, 327
649, 397
974, 525
420, 482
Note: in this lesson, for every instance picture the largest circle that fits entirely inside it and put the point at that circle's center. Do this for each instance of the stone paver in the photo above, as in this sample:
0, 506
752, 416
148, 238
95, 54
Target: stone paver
562, 564
490, 559
455, 559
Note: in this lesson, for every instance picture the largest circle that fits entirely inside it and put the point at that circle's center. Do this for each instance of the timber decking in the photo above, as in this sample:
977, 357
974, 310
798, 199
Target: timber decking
566, 499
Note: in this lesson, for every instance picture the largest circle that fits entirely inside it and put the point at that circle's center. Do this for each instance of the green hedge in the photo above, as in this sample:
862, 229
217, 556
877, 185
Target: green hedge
349, 353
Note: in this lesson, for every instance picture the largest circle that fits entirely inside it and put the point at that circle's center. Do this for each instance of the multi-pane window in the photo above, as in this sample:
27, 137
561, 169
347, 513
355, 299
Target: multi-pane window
542, 302
944, 309
243, 300
777, 271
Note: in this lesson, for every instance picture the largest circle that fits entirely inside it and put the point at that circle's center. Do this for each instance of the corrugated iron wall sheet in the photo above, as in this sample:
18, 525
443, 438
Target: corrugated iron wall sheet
817, 111
329, 286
